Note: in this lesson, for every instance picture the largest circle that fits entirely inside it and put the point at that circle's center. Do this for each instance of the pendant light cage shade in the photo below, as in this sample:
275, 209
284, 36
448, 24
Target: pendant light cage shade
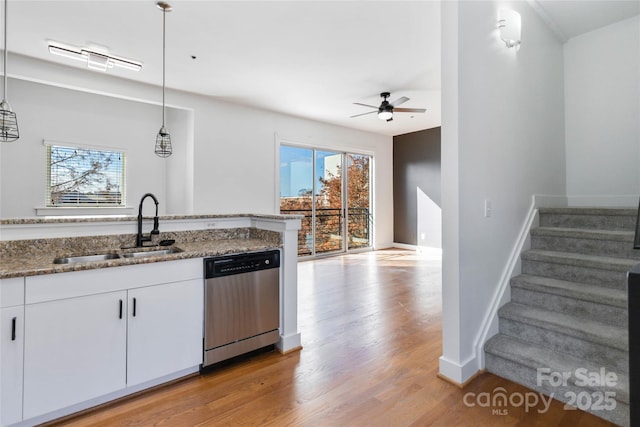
163, 143
163, 139
8, 125
8, 119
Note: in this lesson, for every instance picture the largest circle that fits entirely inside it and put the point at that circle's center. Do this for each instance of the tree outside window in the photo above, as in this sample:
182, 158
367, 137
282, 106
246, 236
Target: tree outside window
84, 177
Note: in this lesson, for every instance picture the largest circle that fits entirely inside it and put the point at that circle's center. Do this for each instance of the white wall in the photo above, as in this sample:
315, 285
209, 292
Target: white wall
68, 116
602, 108
503, 141
225, 153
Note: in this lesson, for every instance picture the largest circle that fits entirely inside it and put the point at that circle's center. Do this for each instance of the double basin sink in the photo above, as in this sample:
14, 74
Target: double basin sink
137, 253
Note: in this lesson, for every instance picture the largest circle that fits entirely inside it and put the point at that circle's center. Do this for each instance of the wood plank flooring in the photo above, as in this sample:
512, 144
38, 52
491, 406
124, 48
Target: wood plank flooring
371, 332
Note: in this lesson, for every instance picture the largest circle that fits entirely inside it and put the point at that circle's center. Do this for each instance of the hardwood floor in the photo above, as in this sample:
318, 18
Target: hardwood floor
371, 331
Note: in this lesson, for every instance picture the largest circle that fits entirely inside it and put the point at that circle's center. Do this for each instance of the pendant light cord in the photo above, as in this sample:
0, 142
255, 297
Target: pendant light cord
164, 17
4, 75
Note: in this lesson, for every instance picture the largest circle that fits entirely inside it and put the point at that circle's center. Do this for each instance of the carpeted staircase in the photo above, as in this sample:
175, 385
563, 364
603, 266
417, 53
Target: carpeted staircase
568, 311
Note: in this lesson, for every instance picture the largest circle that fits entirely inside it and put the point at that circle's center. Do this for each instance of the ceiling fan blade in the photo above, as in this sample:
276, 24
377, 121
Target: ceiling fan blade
363, 114
399, 101
366, 105
409, 110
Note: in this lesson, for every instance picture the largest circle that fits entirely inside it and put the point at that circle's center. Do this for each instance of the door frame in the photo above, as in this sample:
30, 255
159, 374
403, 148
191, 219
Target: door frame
344, 151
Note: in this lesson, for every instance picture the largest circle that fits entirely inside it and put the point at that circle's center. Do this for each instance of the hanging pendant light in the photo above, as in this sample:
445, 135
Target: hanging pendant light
163, 140
8, 120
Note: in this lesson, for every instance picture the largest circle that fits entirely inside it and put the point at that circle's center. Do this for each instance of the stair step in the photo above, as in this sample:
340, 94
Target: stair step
539, 357
591, 269
520, 361
588, 339
577, 299
592, 218
610, 243
586, 329
568, 308
582, 291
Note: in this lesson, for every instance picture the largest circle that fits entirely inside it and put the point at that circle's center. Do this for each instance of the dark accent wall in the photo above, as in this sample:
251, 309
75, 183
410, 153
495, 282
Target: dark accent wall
416, 164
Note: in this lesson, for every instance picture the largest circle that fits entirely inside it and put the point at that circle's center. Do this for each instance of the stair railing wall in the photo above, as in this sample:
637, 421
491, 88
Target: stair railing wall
634, 344
636, 241
633, 292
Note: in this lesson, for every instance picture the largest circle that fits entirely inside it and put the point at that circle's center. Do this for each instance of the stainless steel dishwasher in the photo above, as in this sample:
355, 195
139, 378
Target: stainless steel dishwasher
242, 304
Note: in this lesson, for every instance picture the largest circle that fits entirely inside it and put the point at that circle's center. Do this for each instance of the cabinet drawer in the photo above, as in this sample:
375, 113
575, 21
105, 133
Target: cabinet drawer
52, 287
11, 292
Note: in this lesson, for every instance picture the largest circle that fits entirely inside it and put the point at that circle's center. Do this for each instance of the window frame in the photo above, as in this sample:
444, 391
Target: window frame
100, 207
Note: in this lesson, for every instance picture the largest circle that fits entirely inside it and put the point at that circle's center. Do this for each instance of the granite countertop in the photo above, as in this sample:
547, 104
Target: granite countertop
42, 263
125, 218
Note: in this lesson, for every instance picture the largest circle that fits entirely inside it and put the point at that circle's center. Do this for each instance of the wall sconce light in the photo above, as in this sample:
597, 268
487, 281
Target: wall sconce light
510, 26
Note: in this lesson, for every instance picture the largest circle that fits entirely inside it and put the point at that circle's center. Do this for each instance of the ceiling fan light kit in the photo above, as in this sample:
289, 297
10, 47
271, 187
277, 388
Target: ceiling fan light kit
386, 115
386, 109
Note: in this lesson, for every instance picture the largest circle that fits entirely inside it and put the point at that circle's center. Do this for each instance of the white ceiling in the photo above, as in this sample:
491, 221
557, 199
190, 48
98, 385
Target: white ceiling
312, 59
570, 18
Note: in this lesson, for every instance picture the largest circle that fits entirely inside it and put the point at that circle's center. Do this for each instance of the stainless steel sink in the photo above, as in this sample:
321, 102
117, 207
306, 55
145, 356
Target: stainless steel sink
85, 258
133, 253
153, 252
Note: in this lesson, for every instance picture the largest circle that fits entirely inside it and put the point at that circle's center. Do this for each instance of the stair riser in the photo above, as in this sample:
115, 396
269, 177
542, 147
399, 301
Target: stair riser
595, 222
528, 377
593, 276
596, 353
561, 304
609, 248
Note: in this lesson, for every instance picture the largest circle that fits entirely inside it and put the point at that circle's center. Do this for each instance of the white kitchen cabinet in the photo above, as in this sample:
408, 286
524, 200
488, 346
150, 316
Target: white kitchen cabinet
11, 349
75, 350
164, 330
11, 353
83, 345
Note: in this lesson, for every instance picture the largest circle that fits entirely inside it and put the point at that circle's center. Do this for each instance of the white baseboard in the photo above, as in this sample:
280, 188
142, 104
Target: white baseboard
550, 201
289, 342
405, 246
609, 201
458, 373
425, 250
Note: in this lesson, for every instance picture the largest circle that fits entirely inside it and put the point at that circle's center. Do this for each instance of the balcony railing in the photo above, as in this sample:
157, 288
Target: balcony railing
329, 229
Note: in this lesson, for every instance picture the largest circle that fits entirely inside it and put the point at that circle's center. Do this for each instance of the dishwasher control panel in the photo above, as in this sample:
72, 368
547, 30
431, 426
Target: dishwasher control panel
241, 263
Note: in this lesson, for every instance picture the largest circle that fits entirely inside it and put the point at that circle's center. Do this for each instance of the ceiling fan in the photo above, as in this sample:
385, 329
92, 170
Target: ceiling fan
386, 108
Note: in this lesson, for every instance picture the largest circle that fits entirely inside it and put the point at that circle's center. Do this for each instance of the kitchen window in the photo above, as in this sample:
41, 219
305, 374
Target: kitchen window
80, 176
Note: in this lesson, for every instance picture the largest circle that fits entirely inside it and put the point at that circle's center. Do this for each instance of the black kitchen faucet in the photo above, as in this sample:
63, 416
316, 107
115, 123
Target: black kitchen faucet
140, 239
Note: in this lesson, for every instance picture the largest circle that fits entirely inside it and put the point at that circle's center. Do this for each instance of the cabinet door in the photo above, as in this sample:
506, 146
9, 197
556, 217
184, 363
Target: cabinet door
165, 331
11, 351
75, 350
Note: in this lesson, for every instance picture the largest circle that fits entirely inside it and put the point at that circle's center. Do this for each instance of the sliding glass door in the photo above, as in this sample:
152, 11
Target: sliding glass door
358, 201
328, 217
332, 191
296, 192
